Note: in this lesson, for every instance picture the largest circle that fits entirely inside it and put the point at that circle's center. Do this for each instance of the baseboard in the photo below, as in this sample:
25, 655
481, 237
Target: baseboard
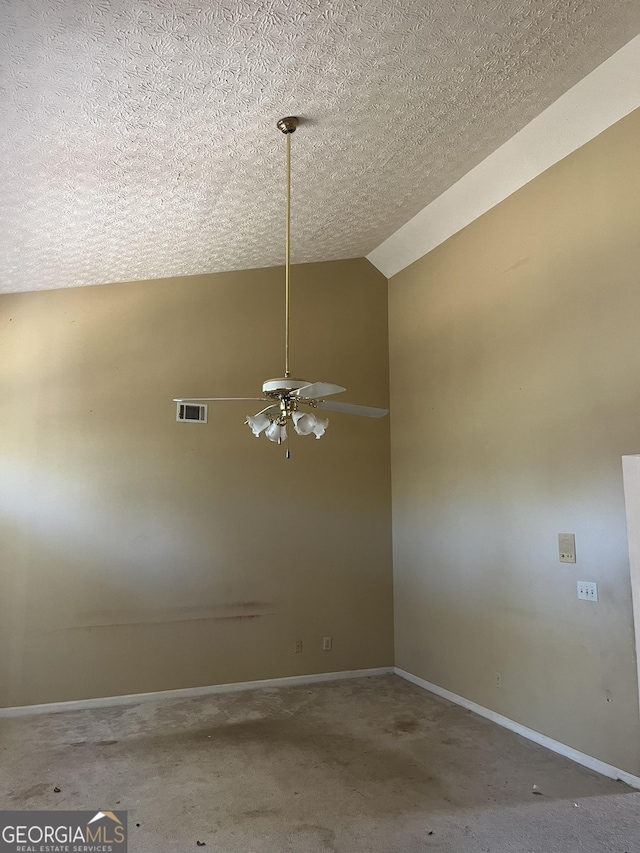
191, 692
554, 745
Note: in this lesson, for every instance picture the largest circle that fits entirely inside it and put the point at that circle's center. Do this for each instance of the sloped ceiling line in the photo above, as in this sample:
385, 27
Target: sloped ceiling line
602, 98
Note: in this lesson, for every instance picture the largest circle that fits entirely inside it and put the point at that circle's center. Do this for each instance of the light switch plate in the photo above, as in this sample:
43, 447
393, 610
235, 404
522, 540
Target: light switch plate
587, 591
567, 547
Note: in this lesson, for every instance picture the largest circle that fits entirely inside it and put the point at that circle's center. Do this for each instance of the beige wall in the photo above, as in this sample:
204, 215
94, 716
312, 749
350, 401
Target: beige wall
139, 554
515, 390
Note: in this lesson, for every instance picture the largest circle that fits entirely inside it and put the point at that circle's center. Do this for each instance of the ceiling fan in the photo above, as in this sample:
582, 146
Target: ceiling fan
285, 395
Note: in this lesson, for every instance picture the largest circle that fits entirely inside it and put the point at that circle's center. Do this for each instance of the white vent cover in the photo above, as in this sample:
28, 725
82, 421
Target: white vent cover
195, 413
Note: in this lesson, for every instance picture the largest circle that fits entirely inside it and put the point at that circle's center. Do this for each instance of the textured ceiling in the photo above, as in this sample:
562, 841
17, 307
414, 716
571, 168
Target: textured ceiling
138, 138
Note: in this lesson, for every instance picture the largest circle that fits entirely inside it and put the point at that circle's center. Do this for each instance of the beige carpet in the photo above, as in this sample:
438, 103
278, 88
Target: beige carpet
356, 766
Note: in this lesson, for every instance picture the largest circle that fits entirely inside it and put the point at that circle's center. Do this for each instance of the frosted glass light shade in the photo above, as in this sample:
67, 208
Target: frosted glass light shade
304, 422
257, 423
320, 427
275, 432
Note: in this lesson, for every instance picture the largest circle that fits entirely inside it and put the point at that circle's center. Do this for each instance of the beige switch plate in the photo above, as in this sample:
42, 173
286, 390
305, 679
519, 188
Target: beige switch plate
567, 547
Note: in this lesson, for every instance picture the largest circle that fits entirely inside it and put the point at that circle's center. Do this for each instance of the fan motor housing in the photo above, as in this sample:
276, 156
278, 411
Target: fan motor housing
277, 387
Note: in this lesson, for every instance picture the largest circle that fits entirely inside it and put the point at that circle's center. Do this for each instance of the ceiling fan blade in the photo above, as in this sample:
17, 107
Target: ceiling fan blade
213, 399
318, 389
270, 410
350, 409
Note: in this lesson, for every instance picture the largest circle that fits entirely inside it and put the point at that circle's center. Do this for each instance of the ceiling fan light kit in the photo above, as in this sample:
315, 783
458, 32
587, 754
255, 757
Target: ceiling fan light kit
284, 394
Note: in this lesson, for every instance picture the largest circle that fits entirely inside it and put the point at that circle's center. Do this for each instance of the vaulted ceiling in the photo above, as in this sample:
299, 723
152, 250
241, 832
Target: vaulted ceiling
139, 140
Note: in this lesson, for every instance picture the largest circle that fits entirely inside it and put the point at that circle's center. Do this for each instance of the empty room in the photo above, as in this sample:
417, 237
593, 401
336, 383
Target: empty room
320, 426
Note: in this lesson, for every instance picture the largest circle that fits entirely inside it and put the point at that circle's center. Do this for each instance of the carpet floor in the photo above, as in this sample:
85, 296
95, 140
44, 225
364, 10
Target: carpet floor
369, 765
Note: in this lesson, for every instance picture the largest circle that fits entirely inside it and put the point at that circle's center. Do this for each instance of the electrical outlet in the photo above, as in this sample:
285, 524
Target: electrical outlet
498, 680
326, 644
567, 547
297, 647
587, 591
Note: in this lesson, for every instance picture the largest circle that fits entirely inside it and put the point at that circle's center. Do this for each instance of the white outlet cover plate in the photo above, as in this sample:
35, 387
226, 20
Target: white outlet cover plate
587, 591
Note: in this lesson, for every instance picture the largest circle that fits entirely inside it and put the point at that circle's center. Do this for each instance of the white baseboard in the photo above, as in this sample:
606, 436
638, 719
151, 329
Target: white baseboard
190, 692
554, 745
